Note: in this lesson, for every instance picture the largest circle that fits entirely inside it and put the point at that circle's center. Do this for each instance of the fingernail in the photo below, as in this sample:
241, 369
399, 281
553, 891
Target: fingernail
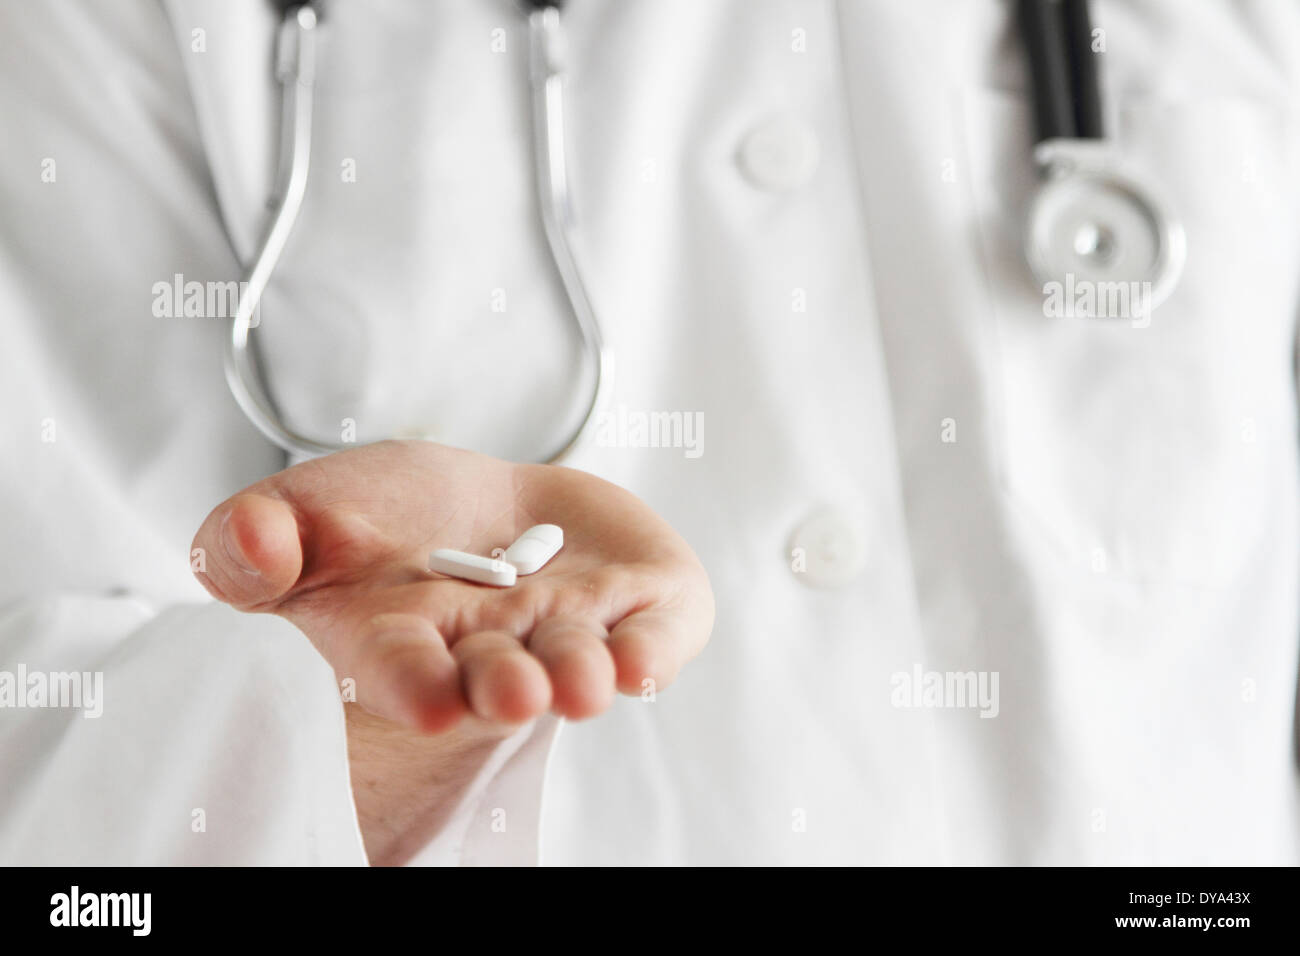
232, 549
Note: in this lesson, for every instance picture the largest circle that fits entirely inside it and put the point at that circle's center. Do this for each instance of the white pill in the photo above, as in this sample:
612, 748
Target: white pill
535, 547
471, 567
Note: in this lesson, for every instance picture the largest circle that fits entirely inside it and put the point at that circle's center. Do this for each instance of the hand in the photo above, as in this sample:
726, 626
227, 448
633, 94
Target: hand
339, 547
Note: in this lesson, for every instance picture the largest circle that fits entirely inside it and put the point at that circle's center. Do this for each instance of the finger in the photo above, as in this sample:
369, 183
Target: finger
404, 672
573, 651
650, 646
250, 551
502, 682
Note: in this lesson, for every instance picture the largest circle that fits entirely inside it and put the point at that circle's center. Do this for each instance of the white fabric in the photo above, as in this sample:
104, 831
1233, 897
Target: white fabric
1114, 531
220, 742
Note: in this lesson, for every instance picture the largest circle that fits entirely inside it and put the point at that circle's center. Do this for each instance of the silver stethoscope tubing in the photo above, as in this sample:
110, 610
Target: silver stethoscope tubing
295, 70
1089, 218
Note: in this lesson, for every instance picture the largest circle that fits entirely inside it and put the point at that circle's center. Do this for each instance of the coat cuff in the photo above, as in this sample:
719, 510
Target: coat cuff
498, 820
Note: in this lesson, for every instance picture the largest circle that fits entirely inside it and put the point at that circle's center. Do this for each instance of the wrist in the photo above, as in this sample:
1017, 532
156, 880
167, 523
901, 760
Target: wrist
406, 785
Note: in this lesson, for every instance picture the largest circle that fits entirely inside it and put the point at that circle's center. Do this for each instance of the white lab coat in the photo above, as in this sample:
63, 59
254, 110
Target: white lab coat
800, 220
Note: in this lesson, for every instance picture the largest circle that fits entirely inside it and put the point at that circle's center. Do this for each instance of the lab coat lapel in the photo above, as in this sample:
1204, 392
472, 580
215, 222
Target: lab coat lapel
228, 52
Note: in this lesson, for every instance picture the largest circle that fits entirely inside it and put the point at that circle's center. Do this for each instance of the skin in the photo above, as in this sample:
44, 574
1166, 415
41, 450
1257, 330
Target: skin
444, 669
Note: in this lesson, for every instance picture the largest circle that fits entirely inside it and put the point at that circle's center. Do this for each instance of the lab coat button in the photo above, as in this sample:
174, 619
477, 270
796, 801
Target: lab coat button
779, 154
827, 550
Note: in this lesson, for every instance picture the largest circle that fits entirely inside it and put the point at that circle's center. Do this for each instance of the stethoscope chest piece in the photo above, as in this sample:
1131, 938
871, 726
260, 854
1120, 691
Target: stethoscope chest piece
1091, 223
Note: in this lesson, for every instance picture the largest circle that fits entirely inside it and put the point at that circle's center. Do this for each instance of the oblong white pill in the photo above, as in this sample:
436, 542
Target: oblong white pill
472, 567
535, 547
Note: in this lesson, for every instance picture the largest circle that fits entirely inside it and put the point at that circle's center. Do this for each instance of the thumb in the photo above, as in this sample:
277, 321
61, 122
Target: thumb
251, 551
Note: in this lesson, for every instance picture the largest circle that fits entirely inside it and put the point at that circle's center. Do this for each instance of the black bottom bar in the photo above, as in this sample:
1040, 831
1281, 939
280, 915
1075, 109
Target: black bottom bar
375, 906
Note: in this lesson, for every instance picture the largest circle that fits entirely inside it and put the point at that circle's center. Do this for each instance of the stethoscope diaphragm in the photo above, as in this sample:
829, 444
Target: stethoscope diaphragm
1093, 224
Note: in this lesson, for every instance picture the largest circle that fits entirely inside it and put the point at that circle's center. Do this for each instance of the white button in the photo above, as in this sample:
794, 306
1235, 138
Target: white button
827, 550
779, 154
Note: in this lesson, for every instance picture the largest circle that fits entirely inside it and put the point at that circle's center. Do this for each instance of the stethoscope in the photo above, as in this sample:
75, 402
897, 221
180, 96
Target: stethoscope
1089, 218
295, 70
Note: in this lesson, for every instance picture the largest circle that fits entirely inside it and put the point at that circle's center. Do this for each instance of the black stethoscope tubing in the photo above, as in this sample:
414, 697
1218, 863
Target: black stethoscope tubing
1062, 67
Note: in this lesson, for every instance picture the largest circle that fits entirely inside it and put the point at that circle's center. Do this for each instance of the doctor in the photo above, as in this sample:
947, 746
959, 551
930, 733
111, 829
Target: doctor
996, 581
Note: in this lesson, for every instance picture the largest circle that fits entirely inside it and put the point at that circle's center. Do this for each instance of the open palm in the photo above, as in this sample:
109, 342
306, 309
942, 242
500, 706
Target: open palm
339, 547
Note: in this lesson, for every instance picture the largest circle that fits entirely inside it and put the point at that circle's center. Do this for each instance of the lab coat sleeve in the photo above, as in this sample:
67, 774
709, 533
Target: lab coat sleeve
498, 820
203, 736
